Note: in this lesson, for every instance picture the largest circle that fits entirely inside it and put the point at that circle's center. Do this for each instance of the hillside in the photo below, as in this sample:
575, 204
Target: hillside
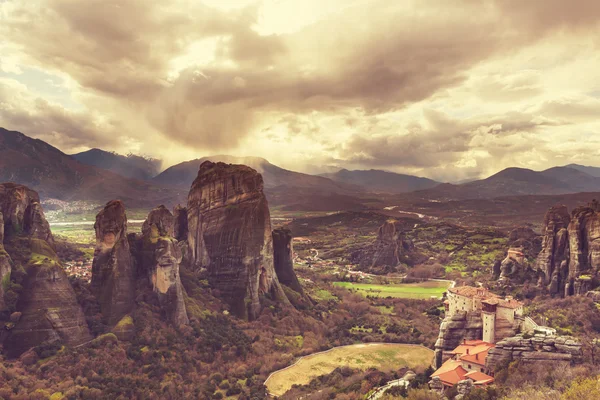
129, 166
54, 174
517, 182
382, 181
593, 171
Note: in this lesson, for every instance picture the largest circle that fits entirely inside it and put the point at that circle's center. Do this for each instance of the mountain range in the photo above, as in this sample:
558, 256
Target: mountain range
101, 175
382, 181
129, 166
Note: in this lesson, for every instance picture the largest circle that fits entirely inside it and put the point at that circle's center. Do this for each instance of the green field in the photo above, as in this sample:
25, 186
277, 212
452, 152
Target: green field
383, 356
421, 290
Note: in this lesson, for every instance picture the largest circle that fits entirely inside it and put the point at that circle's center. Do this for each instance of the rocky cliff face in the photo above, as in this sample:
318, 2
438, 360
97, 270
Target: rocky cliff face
569, 261
283, 259
46, 308
23, 213
180, 220
161, 258
453, 331
113, 275
390, 245
5, 265
548, 350
48, 305
230, 235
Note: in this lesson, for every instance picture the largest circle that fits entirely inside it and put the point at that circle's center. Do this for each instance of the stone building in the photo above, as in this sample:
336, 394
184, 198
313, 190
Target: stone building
500, 315
467, 361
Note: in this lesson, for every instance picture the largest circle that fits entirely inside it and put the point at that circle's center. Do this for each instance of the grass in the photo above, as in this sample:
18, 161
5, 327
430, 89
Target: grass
421, 290
382, 356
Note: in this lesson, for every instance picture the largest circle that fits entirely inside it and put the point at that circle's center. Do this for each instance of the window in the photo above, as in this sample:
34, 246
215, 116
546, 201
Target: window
469, 366
481, 369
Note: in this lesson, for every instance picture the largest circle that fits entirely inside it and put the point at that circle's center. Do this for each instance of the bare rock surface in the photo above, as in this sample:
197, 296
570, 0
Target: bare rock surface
22, 213
230, 236
48, 305
160, 260
569, 261
548, 350
390, 245
113, 275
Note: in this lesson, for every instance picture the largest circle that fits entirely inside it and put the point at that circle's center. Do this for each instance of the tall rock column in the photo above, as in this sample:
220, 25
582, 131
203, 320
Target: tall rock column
584, 243
47, 305
162, 258
5, 265
113, 276
389, 245
283, 259
552, 262
229, 234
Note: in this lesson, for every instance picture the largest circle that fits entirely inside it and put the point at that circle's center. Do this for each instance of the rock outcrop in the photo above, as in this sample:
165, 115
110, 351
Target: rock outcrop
113, 275
455, 329
23, 213
569, 261
283, 259
46, 308
180, 220
161, 258
5, 265
549, 350
48, 305
390, 245
229, 235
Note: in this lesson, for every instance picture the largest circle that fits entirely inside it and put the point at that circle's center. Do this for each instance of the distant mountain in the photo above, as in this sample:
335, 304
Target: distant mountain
183, 174
593, 171
54, 174
382, 181
286, 189
130, 166
517, 182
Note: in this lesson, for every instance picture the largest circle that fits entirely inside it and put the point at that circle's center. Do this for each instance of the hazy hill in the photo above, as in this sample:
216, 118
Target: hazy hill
517, 182
130, 166
44, 168
382, 181
594, 171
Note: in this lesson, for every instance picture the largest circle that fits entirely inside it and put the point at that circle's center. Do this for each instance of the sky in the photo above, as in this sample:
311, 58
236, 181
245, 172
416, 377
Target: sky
451, 90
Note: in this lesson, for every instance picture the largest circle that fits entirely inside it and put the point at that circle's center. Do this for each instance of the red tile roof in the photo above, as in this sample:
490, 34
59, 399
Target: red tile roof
472, 352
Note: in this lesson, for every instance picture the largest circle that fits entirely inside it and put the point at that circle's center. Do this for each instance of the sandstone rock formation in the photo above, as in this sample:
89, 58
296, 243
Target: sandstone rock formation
570, 257
180, 220
390, 245
48, 305
161, 258
283, 259
552, 262
113, 275
23, 213
453, 331
46, 308
5, 265
229, 235
549, 350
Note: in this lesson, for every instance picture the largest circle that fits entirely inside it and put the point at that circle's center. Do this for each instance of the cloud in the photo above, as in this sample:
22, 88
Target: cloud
413, 84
